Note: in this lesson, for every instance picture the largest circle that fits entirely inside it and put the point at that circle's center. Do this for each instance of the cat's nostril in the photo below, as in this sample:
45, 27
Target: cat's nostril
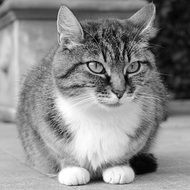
118, 93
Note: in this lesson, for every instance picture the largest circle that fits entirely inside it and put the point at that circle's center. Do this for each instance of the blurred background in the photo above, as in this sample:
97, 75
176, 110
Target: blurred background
28, 31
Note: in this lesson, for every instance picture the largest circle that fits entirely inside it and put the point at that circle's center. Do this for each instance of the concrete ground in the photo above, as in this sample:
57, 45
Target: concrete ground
172, 150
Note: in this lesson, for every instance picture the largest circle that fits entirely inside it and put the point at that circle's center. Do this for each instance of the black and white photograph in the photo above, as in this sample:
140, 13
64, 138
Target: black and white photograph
94, 94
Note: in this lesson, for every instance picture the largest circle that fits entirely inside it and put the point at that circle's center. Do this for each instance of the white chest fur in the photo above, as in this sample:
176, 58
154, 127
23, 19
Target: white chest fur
100, 136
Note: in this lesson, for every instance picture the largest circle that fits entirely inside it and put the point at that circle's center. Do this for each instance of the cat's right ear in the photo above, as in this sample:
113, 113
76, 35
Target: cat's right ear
144, 19
69, 30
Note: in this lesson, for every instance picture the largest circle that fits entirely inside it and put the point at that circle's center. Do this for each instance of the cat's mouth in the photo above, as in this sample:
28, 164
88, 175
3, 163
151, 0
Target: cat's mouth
111, 105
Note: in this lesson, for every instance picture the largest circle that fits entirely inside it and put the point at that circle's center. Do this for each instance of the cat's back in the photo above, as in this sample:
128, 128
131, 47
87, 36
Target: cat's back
34, 83
36, 75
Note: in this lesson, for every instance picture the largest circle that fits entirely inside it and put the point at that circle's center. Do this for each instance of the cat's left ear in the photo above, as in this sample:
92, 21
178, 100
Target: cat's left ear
144, 19
69, 30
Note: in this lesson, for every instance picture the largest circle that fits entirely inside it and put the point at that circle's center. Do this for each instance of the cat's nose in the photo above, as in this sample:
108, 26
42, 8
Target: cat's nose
118, 84
118, 93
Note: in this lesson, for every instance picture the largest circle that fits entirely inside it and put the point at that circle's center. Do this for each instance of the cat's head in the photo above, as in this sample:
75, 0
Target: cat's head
103, 62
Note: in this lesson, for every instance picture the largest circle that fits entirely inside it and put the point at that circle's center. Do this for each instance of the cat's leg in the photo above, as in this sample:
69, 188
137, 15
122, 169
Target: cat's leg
119, 174
74, 175
144, 161
71, 173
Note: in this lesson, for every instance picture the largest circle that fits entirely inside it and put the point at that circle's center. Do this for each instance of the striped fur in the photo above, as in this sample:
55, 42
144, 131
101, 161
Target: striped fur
70, 117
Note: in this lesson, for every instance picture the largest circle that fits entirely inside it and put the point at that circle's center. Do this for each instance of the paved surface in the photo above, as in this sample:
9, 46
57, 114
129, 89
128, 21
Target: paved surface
172, 149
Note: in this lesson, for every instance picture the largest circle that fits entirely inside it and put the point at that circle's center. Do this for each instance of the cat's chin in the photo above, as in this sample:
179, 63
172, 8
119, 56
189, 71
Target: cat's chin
115, 106
110, 106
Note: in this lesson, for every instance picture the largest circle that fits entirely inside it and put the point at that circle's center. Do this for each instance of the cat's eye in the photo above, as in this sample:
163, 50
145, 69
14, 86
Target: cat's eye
133, 67
96, 67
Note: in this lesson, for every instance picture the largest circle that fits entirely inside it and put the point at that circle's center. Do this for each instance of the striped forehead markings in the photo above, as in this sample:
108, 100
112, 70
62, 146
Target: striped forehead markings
114, 51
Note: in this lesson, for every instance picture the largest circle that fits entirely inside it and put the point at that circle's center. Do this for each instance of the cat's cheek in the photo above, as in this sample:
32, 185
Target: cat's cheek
119, 175
73, 176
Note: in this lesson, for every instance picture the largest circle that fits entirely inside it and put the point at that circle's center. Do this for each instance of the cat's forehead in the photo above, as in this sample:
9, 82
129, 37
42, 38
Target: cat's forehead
107, 28
110, 28
109, 37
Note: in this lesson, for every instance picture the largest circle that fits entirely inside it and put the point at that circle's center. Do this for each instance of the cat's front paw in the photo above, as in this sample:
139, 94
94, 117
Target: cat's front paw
119, 175
73, 176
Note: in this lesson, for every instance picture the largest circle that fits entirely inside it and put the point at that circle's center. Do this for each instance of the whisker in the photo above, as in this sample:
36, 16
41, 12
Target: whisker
155, 45
162, 73
148, 95
82, 101
77, 100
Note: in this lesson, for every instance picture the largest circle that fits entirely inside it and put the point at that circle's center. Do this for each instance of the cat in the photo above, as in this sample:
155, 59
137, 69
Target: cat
92, 108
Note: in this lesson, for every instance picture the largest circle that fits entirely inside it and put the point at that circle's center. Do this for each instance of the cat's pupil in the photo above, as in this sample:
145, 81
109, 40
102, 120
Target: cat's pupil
96, 66
134, 67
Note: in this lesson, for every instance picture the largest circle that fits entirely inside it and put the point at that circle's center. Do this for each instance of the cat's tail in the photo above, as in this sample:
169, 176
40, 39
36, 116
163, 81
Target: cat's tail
144, 163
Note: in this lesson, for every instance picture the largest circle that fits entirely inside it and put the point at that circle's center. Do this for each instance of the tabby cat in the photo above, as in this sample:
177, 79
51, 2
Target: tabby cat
92, 107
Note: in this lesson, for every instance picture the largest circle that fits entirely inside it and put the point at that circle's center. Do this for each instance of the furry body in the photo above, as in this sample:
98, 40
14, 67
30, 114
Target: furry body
98, 132
60, 126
